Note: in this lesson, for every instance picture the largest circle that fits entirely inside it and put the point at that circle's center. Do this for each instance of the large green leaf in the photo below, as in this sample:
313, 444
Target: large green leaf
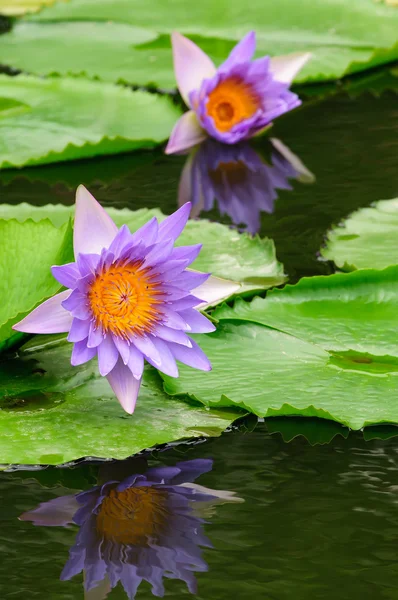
27, 251
344, 37
53, 413
44, 121
326, 347
367, 239
251, 261
347, 311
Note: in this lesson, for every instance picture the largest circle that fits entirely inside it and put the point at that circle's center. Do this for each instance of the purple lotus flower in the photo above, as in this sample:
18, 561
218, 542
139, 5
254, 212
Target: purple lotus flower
243, 183
141, 529
235, 101
129, 298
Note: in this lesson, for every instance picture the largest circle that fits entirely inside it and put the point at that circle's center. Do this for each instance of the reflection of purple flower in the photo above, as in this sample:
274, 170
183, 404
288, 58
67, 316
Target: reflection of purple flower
235, 101
239, 178
143, 528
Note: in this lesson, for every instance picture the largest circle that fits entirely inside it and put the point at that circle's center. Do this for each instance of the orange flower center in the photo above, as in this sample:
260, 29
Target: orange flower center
231, 102
234, 172
125, 299
133, 516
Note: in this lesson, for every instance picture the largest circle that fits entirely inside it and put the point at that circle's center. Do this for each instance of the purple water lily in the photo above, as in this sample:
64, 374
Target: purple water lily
235, 101
130, 297
141, 529
243, 183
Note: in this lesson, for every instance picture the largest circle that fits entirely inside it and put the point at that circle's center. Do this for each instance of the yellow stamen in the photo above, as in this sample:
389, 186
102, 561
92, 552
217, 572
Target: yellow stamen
133, 515
231, 102
124, 300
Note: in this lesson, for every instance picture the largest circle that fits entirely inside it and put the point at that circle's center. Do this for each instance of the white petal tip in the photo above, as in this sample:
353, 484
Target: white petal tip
186, 133
285, 68
191, 65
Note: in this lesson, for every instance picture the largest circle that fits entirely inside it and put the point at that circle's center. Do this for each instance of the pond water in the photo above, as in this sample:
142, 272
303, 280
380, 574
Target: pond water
315, 510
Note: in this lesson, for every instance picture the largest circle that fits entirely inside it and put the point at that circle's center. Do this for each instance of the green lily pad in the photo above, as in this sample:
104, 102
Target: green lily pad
367, 239
68, 118
343, 37
27, 251
346, 312
52, 413
326, 347
251, 261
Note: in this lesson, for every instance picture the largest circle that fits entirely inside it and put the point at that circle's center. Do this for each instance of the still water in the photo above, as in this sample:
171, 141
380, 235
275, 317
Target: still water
277, 510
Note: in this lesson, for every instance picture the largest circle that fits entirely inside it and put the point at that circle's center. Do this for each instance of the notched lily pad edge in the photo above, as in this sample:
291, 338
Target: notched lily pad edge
90, 150
283, 410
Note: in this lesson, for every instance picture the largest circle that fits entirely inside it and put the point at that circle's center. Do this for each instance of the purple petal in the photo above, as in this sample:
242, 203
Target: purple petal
187, 302
193, 357
192, 469
164, 475
107, 355
171, 269
58, 512
167, 364
197, 322
95, 336
136, 362
172, 292
189, 280
242, 53
174, 320
79, 330
187, 132
186, 252
159, 253
145, 345
172, 335
123, 347
87, 263
124, 385
76, 303
148, 233
191, 65
94, 229
285, 68
173, 225
122, 239
67, 275
81, 354
49, 317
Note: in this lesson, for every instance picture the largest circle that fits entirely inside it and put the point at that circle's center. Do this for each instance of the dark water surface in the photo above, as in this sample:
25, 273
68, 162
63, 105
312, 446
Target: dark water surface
307, 521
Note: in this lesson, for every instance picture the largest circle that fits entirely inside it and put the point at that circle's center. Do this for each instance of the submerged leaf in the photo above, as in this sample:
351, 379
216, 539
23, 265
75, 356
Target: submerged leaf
326, 347
64, 119
367, 239
52, 413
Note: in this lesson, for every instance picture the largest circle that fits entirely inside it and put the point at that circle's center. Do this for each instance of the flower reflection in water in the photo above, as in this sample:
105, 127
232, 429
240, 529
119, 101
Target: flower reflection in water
145, 527
243, 183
